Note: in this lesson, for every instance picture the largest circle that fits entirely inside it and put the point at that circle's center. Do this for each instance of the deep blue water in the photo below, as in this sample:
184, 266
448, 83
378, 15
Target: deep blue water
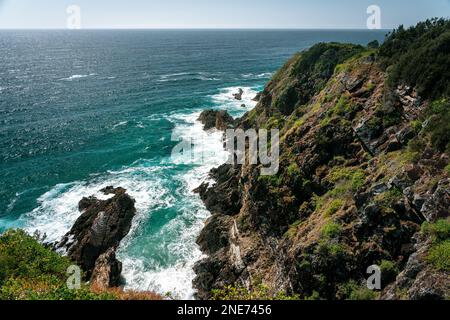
82, 110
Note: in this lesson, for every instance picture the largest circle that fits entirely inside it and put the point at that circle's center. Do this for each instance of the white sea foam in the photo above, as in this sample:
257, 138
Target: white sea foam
120, 124
58, 208
225, 100
264, 75
77, 76
152, 186
187, 76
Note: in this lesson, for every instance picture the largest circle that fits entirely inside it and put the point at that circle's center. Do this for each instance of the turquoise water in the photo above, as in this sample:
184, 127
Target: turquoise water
83, 110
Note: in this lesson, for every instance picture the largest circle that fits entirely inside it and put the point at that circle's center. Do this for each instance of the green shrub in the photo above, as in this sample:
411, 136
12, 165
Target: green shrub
438, 126
22, 256
331, 230
389, 271
439, 231
416, 56
354, 291
330, 251
345, 107
373, 44
346, 180
30, 271
293, 169
271, 180
388, 198
439, 255
333, 207
257, 292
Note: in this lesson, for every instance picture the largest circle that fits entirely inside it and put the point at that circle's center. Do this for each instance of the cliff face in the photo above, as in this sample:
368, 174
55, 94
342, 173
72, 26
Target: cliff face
363, 180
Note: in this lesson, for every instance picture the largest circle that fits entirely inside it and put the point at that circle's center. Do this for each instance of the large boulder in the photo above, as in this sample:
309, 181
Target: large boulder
238, 95
219, 120
93, 239
107, 270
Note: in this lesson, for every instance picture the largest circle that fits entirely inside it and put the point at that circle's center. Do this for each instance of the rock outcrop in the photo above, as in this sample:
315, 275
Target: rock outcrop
238, 95
219, 120
359, 174
96, 234
257, 98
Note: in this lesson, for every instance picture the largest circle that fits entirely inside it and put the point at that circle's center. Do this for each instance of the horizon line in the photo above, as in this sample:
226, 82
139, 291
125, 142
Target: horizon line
201, 28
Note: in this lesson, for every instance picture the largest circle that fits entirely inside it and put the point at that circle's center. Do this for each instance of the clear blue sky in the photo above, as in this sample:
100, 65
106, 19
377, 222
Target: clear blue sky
217, 13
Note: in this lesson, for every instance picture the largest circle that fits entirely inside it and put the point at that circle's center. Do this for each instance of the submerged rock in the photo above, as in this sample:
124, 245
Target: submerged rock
95, 236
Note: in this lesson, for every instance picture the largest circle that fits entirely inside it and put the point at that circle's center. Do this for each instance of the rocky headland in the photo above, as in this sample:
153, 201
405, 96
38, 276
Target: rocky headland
364, 179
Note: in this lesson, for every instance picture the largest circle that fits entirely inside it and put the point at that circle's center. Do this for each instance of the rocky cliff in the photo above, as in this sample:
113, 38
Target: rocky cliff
364, 178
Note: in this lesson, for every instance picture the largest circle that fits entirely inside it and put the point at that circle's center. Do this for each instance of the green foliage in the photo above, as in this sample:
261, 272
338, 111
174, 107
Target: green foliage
387, 115
29, 271
331, 251
47, 287
418, 56
344, 107
307, 73
447, 169
275, 122
331, 230
439, 231
347, 179
373, 44
257, 292
293, 169
388, 198
354, 291
389, 271
21, 256
439, 255
333, 207
274, 181
438, 124
292, 231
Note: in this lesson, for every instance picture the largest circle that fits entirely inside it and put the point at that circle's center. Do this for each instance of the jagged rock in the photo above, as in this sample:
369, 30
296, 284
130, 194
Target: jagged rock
419, 280
343, 161
238, 96
220, 120
438, 204
214, 235
107, 270
257, 98
224, 197
405, 135
99, 230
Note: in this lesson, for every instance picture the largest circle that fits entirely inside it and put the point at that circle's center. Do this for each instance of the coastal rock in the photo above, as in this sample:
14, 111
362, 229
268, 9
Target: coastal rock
93, 239
238, 95
220, 120
257, 98
349, 193
107, 270
224, 197
419, 280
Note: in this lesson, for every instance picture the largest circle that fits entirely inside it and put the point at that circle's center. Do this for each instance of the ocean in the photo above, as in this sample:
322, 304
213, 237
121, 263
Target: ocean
82, 110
